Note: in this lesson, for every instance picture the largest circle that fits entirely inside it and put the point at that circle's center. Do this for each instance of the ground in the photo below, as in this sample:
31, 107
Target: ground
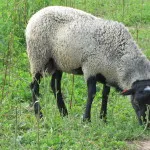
141, 145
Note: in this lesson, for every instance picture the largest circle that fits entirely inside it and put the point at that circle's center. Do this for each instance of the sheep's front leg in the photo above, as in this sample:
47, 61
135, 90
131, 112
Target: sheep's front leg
56, 87
35, 94
91, 84
105, 93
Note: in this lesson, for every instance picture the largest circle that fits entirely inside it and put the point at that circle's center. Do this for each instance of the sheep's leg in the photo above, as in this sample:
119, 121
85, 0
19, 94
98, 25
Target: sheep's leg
56, 87
35, 94
105, 93
91, 84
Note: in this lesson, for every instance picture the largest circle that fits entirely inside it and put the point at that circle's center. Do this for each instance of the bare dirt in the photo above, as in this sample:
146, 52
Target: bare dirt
140, 145
144, 145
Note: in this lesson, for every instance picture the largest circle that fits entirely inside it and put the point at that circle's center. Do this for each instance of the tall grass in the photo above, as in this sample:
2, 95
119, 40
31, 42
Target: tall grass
18, 127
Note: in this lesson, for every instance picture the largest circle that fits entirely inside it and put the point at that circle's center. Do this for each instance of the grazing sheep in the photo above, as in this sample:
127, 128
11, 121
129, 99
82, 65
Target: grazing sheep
62, 39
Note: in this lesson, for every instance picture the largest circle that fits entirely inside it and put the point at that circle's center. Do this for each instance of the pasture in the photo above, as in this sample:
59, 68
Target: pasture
20, 130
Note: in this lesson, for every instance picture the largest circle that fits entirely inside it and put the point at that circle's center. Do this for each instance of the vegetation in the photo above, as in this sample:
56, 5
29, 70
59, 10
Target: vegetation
19, 129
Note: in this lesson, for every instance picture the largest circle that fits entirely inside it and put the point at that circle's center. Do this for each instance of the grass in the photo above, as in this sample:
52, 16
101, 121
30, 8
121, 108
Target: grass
19, 128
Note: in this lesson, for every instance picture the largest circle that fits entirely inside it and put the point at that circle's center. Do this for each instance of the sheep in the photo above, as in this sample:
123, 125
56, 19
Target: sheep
63, 39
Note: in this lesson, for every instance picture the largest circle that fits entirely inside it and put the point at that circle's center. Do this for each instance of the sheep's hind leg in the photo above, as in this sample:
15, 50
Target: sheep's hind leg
35, 94
56, 87
91, 84
105, 93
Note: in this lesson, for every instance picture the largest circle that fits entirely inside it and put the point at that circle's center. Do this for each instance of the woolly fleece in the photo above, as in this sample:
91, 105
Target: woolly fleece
73, 38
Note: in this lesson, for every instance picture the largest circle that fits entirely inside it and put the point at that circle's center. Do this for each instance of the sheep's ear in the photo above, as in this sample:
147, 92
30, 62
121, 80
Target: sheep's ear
128, 92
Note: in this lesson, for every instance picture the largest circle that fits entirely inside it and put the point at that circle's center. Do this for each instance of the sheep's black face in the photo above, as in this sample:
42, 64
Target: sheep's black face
140, 98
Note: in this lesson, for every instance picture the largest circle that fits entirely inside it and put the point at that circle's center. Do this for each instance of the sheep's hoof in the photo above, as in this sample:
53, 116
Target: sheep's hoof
39, 116
104, 118
86, 119
64, 112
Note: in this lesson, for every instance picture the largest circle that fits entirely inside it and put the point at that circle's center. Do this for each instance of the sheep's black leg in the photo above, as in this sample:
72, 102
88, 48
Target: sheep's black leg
91, 84
56, 87
105, 93
35, 94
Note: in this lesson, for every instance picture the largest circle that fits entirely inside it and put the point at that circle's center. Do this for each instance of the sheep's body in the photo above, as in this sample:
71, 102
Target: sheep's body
73, 39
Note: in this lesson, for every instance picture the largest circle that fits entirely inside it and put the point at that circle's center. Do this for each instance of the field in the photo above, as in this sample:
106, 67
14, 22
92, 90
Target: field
19, 129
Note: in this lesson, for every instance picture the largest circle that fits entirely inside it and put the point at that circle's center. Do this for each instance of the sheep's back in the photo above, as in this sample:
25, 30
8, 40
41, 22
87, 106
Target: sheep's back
47, 35
71, 37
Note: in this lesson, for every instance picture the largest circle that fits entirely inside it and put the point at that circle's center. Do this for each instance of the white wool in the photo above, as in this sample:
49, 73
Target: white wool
73, 39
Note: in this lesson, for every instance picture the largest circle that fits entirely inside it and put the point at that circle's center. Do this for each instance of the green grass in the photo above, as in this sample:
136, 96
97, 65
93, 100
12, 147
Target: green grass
19, 129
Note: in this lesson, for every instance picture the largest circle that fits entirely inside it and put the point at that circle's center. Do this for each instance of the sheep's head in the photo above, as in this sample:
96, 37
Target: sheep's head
140, 99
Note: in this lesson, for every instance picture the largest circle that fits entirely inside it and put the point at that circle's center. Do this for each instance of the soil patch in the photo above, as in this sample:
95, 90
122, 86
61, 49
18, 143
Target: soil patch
143, 145
140, 145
